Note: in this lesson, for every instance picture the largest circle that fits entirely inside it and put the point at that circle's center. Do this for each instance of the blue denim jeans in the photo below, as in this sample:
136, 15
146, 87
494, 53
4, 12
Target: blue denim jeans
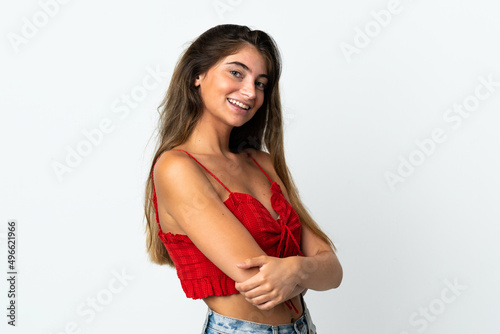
216, 323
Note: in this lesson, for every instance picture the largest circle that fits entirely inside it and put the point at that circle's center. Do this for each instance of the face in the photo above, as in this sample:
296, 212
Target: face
233, 89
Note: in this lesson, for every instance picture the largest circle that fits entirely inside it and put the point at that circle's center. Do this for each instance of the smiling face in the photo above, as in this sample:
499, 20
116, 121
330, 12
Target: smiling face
233, 89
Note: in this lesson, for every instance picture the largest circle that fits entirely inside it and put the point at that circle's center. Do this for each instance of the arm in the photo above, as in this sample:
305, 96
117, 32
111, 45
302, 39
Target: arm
319, 269
188, 196
277, 277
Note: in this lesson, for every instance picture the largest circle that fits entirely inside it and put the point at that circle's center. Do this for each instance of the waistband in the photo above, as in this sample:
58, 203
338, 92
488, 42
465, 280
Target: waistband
224, 324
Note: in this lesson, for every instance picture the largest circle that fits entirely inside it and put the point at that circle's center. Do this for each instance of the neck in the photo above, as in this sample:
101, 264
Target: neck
210, 136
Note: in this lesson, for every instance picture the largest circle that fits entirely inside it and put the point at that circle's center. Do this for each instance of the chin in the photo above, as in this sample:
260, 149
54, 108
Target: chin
239, 121
238, 124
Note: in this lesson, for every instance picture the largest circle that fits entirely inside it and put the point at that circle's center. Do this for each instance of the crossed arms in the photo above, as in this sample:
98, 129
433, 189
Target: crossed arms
265, 281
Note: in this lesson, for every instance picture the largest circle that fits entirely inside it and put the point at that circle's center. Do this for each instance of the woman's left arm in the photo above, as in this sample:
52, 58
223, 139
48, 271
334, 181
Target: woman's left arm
281, 278
319, 269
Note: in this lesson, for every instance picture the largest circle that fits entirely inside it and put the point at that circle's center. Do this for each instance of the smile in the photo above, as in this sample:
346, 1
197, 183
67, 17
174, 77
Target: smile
239, 104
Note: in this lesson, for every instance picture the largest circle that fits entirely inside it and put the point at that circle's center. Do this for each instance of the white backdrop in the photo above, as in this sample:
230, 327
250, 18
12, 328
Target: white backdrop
392, 113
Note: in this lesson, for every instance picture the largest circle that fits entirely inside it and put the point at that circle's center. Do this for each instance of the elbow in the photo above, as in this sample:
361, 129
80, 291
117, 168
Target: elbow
337, 273
333, 276
337, 278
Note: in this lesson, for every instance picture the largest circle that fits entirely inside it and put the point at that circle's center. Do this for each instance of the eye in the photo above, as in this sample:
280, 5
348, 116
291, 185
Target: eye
261, 85
236, 74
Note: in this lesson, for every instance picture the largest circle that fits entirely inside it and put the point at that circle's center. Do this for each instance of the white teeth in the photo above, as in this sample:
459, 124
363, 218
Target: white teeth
239, 104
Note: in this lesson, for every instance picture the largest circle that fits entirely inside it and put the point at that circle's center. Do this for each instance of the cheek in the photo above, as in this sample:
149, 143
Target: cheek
227, 86
213, 92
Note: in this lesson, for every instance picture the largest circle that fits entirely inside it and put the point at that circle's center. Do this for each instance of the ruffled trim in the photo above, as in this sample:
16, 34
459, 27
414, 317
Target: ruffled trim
174, 238
205, 286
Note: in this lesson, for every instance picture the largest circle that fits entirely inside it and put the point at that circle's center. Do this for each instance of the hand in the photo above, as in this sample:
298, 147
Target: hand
274, 284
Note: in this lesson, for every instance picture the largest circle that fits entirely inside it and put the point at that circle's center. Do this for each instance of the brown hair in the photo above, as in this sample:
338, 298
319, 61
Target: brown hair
182, 107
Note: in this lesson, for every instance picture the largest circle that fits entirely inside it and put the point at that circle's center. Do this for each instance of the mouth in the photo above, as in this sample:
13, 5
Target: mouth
238, 104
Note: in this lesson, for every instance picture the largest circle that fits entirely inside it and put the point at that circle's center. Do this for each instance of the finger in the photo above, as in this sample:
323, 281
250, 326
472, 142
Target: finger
242, 288
266, 306
259, 300
251, 283
262, 299
257, 292
253, 262
243, 265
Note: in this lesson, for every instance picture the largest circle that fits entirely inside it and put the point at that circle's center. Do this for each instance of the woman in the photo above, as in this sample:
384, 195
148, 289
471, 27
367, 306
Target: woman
225, 213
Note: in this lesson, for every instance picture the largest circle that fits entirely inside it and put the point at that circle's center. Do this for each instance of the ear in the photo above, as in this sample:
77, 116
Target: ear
198, 80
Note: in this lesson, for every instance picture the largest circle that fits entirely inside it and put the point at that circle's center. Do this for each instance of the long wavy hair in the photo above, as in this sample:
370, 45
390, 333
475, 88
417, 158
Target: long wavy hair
182, 107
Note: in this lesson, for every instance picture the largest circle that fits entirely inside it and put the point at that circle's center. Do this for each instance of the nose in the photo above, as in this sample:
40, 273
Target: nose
248, 89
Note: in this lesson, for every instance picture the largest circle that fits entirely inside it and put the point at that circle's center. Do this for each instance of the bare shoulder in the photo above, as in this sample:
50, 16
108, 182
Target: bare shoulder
171, 162
176, 170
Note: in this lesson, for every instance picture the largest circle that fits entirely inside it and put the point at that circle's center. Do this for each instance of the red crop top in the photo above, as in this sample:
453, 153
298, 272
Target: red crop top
280, 237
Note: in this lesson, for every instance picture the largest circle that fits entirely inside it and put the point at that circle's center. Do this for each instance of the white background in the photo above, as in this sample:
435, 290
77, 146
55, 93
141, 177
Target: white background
350, 120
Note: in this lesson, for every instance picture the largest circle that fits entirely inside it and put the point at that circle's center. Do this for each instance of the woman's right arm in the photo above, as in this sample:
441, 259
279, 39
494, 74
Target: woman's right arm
187, 195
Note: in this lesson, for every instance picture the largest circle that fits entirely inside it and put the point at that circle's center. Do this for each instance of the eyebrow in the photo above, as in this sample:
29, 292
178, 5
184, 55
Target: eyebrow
246, 68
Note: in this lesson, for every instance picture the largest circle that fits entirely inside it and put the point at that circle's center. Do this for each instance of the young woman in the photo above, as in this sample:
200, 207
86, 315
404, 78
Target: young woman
222, 211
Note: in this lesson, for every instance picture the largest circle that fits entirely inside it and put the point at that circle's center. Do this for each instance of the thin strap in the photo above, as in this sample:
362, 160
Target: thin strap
260, 168
155, 200
175, 149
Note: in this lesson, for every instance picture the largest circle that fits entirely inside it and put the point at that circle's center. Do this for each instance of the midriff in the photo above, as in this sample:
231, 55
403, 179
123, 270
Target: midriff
236, 306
